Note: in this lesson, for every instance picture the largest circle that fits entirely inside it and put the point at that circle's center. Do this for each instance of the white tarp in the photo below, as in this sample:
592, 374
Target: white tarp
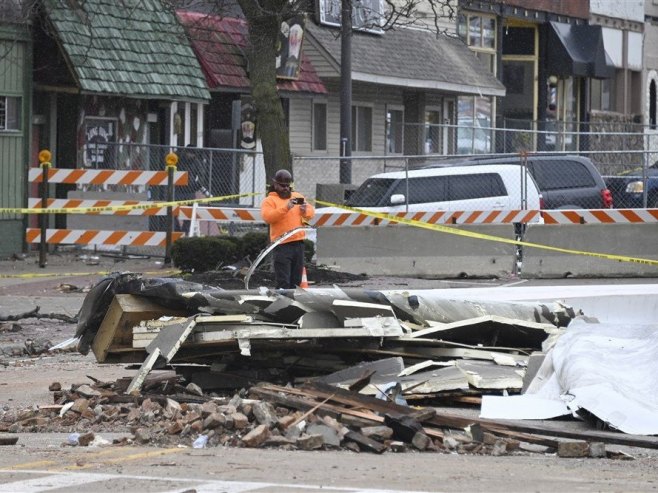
610, 370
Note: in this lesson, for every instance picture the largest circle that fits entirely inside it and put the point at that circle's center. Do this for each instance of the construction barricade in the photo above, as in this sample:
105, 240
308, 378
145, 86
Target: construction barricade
45, 206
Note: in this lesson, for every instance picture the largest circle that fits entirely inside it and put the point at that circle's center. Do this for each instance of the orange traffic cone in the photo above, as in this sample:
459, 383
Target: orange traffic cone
304, 283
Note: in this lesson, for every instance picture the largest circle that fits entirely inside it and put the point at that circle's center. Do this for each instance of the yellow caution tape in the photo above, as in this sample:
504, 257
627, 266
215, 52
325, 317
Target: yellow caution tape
116, 208
481, 236
32, 275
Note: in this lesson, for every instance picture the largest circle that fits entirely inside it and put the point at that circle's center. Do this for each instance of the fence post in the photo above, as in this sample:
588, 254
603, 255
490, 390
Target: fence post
171, 160
44, 162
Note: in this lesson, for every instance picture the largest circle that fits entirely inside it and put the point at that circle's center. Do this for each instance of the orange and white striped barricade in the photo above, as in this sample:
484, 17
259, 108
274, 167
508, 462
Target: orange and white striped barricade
107, 177
600, 216
99, 237
46, 174
351, 219
133, 207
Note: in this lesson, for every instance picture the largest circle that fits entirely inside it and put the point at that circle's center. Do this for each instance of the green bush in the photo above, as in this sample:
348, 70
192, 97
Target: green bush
253, 243
309, 250
202, 254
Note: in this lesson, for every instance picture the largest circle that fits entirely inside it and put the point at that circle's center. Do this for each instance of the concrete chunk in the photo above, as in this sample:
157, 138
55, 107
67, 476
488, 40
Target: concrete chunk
257, 436
265, 414
310, 442
379, 433
573, 448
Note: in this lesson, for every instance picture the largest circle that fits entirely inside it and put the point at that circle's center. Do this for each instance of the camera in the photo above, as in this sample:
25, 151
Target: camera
298, 200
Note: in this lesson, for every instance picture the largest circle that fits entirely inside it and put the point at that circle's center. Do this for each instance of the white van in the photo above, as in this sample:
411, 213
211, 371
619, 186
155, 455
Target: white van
450, 188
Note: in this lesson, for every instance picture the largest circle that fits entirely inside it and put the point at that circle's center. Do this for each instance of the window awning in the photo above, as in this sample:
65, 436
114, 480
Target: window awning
577, 51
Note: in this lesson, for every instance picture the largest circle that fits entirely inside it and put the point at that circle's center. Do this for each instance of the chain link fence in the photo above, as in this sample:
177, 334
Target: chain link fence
624, 155
211, 173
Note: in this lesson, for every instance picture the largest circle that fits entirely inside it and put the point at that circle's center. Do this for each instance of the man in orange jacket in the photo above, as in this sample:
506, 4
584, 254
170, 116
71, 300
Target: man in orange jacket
285, 210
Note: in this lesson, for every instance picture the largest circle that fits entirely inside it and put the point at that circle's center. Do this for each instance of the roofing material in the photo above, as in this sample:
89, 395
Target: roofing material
132, 48
410, 58
220, 44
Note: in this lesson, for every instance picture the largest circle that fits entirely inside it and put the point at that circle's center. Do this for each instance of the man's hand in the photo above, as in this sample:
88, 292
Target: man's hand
302, 208
291, 204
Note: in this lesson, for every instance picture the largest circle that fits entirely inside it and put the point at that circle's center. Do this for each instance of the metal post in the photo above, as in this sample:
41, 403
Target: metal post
645, 171
171, 162
406, 180
346, 92
44, 160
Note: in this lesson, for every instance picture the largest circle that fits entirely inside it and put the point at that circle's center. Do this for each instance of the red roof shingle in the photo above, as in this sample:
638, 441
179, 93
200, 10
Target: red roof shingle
219, 44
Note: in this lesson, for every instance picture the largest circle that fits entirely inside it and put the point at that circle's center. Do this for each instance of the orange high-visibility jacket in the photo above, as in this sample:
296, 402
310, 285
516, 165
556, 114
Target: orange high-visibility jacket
274, 211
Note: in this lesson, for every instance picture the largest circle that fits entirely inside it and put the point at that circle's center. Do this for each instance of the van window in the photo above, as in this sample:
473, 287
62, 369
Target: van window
464, 187
371, 193
556, 175
424, 190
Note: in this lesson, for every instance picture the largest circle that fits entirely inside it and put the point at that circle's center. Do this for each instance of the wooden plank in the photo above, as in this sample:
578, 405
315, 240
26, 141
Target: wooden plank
169, 341
256, 331
303, 403
125, 311
523, 437
444, 419
143, 372
370, 403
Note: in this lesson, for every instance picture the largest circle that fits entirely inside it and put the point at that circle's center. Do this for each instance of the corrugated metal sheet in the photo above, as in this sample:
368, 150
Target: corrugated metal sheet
132, 47
219, 43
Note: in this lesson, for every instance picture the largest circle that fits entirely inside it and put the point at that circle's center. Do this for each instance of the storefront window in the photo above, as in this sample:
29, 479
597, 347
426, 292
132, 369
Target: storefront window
474, 125
432, 132
394, 130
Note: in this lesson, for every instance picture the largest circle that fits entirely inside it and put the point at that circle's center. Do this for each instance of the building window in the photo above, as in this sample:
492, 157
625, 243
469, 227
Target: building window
362, 128
10, 113
319, 126
432, 131
603, 94
636, 92
479, 33
394, 130
474, 129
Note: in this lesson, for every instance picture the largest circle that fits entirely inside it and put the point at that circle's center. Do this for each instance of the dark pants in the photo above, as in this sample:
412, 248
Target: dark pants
288, 264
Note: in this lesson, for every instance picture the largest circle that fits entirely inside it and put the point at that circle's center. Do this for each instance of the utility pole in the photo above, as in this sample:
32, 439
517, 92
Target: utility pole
346, 92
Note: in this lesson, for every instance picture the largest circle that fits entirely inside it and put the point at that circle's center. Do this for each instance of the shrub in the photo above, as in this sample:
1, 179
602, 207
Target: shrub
309, 250
203, 254
253, 243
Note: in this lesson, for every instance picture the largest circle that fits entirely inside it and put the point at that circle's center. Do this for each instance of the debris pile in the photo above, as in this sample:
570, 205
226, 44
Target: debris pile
309, 369
314, 416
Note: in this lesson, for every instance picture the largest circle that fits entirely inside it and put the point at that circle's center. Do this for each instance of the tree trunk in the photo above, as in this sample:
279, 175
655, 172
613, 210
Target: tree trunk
271, 127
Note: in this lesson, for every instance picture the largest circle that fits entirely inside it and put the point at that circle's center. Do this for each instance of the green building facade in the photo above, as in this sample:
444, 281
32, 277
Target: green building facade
15, 100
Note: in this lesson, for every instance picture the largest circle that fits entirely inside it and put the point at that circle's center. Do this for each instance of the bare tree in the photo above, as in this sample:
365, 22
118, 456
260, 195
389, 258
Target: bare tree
264, 18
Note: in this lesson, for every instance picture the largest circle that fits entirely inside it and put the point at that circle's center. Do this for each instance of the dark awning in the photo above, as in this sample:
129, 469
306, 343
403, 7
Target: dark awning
577, 51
